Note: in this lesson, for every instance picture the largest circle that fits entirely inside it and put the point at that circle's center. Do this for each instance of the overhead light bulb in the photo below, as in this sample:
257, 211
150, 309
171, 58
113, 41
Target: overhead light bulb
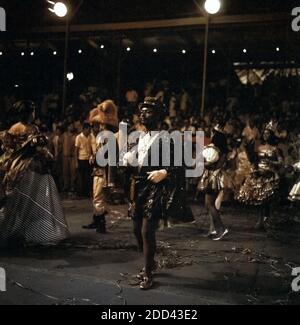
70, 76
212, 6
59, 9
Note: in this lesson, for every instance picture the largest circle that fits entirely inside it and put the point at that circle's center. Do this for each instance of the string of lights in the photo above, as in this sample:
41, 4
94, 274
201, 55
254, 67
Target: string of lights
127, 49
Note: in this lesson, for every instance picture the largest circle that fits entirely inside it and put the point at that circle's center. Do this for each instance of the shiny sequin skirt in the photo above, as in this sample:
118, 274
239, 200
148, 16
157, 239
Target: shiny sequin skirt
148, 200
33, 212
214, 181
258, 188
295, 193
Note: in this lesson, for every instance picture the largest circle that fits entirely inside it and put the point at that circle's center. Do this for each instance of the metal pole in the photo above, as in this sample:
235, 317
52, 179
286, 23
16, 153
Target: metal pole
64, 98
119, 66
204, 66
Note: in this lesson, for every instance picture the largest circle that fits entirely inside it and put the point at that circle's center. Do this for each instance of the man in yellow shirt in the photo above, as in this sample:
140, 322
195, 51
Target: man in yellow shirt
83, 152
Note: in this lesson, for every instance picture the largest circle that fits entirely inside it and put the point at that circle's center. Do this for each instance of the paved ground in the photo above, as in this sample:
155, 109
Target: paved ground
248, 267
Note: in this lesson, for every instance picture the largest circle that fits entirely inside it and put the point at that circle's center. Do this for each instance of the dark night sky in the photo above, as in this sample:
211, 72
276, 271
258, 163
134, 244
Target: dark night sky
25, 14
35, 77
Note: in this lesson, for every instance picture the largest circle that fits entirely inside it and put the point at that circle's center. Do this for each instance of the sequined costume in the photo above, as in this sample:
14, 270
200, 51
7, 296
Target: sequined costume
215, 181
261, 185
147, 199
33, 212
152, 168
295, 192
215, 177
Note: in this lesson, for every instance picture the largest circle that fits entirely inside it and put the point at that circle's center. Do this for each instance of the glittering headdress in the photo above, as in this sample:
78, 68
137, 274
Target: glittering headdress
272, 126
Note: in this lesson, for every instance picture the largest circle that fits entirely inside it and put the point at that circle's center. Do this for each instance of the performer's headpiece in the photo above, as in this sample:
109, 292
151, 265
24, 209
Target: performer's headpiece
157, 105
105, 113
272, 126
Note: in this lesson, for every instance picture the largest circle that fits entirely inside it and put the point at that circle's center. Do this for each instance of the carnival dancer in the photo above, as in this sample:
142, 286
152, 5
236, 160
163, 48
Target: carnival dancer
294, 195
262, 184
215, 180
149, 184
106, 115
33, 212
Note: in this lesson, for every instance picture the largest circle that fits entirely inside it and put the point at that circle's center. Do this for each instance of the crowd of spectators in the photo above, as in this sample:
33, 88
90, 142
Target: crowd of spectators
246, 108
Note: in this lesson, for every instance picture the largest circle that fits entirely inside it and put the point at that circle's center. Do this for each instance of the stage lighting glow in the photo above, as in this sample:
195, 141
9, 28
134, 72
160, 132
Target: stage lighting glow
277, 49
102, 46
183, 51
32, 53
155, 50
213, 51
244, 50
1, 53
80, 51
54, 53
212, 6
128, 49
22, 53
